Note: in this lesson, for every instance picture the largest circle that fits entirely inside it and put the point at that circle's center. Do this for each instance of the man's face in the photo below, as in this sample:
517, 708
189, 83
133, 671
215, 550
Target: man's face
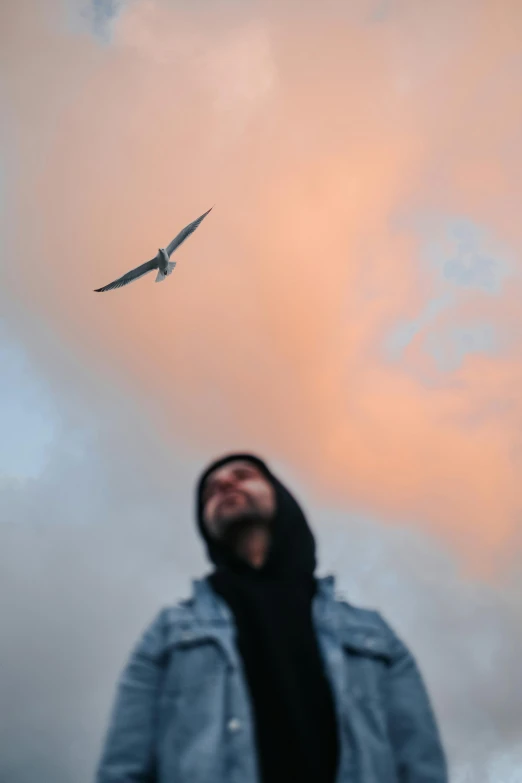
235, 491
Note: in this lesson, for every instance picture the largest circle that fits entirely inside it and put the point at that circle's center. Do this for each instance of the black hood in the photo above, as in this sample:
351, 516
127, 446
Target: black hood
292, 548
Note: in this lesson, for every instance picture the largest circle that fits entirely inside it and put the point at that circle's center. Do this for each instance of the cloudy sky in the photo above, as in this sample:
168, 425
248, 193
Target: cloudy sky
350, 310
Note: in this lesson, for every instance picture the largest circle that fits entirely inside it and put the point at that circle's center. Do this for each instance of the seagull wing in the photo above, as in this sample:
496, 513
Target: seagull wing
134, 274
185, 232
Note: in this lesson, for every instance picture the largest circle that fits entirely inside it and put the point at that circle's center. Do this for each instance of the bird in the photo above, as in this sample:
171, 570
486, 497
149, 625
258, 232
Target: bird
161, 260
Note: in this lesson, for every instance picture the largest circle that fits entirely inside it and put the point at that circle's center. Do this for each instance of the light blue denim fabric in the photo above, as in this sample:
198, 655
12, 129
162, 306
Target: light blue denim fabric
182, 712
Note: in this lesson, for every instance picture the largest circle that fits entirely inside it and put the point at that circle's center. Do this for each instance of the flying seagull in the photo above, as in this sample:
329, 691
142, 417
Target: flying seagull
160, 261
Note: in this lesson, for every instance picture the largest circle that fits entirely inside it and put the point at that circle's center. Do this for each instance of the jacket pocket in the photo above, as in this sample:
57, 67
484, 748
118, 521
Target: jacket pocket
367, 656
196, 659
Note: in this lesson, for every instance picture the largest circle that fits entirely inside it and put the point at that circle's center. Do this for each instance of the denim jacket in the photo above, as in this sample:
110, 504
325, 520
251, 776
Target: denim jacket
182, 712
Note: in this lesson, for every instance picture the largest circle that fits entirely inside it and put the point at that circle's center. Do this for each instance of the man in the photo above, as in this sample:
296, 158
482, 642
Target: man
263, 676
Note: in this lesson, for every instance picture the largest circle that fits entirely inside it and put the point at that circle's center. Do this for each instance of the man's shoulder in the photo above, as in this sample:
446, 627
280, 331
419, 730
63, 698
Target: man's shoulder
180, 614
167, 621
361, 615
347, 612
364, 628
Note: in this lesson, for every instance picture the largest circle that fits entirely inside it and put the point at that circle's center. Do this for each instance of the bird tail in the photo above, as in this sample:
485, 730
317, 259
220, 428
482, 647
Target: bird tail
162, 275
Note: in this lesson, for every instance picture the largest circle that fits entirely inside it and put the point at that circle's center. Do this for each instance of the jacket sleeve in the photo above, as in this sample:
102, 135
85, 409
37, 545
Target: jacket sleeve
128, 754
413, 730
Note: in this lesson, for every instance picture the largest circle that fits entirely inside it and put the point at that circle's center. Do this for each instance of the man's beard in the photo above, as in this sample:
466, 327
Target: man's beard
237, 528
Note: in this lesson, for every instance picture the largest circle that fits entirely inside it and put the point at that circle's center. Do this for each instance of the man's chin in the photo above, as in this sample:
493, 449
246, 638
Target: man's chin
237, 526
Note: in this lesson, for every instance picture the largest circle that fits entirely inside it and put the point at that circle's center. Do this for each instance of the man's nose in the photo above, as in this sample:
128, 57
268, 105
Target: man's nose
228, 482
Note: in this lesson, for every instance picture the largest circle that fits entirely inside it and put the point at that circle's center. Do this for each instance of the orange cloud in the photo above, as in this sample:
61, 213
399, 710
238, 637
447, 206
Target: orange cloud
320, 137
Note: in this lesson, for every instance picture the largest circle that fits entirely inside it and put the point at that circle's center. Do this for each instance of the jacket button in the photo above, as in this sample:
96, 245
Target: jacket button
369, 643
234, 724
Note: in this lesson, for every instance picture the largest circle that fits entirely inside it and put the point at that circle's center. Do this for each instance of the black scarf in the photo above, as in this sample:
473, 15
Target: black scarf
272, 606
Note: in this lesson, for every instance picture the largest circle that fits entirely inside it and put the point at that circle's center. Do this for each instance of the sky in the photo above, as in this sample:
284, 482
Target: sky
349, 310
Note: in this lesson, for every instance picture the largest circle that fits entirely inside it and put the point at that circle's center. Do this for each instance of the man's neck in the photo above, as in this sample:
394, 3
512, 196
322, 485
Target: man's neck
253, 546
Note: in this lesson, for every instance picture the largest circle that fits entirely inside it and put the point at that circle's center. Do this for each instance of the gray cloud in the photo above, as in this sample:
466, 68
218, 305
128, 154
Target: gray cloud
469, 266
405, 332
100, 14
472, 257
449, 346
471, 269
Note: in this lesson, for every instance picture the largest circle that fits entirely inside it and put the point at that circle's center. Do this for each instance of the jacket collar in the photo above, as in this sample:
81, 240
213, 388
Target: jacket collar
210, 607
